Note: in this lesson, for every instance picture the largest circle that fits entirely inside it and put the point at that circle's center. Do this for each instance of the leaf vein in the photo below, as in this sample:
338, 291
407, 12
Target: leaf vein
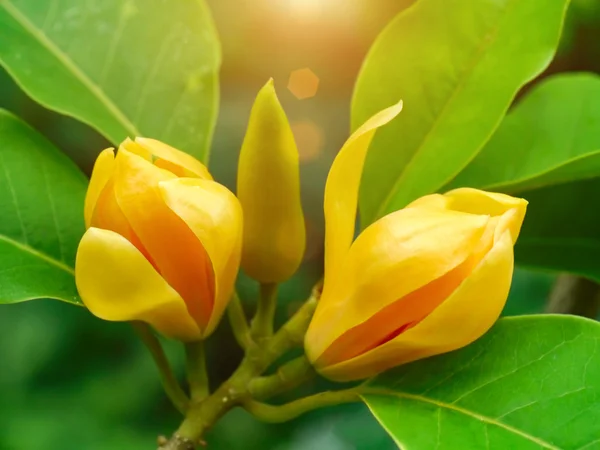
466, 412
49, 259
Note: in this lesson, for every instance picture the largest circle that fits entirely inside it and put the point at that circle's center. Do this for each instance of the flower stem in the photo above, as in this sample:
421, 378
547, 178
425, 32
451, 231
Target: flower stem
289, 411
169, 381
239, 322
287, 377
196, 370
202, 415
262, 324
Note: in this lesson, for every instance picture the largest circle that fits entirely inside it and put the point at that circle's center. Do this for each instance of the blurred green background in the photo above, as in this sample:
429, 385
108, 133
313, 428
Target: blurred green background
69, 381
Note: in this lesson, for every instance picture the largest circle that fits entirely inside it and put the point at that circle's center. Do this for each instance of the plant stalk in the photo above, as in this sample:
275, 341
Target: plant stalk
168, 379
202, 415
196, 370
239, 322
291, 410
262, 323
287, 377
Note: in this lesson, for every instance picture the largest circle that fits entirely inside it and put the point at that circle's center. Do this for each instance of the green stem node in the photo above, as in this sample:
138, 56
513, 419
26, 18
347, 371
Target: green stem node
287, 377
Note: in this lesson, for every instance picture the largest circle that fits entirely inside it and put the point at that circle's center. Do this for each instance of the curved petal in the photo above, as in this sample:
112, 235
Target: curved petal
167, 157
176, 251
434, 201
214, 214
341, 191
117, 283
475, 201
103, 170
393, 257
109, 216
464, 317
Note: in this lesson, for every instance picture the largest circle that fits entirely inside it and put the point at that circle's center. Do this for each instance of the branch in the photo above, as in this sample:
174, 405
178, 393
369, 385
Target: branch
289, 411
175, 443
574, 295
287, 377
292, 333
202, 415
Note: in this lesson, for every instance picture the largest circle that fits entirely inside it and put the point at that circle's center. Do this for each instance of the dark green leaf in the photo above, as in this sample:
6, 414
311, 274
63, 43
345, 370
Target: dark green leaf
548, 142
126, 68
532, 382
458, 65
562, 229
41, 205
552, 136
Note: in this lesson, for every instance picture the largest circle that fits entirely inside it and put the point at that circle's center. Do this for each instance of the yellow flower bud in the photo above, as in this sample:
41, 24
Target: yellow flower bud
163, 241
269, 190
424, 280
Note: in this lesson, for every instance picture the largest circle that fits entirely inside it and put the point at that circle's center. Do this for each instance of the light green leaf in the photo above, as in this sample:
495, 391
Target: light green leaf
457, 65
127, 68
41, 206
532, 382
552, 136
561, 231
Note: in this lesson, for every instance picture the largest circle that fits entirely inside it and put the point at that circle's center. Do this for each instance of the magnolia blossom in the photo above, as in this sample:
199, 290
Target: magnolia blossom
163, 241
424, 280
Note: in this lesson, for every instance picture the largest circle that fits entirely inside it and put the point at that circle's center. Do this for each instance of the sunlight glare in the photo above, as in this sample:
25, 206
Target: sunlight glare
306, 8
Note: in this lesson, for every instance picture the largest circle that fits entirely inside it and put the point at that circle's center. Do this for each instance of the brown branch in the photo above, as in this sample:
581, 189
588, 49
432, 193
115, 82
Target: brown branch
574, 295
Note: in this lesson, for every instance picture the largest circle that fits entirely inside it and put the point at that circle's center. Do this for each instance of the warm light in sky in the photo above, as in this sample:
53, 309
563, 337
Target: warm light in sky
306, 8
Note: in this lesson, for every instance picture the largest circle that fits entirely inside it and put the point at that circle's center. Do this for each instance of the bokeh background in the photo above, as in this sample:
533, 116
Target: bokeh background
69, 381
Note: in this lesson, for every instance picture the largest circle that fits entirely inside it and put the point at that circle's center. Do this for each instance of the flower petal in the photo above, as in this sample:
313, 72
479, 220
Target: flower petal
103, 170
167, 157
341, 191
475, 201
396, 255
464, 317
214, 214
108, 215
176, 251
117, 283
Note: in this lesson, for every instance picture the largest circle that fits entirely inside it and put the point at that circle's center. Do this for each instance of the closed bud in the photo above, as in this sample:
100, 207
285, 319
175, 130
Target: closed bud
163, 241
269, 190
424, 280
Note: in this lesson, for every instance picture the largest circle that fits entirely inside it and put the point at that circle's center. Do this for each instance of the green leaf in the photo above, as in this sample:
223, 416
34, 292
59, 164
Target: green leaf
532, 382
41, 205
552, 136
547, 150
127, 68
458, 65
562, 229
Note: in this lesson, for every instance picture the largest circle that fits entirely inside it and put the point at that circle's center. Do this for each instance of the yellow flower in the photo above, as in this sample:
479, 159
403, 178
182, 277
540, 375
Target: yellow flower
163, 241
269, 191
427, 279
